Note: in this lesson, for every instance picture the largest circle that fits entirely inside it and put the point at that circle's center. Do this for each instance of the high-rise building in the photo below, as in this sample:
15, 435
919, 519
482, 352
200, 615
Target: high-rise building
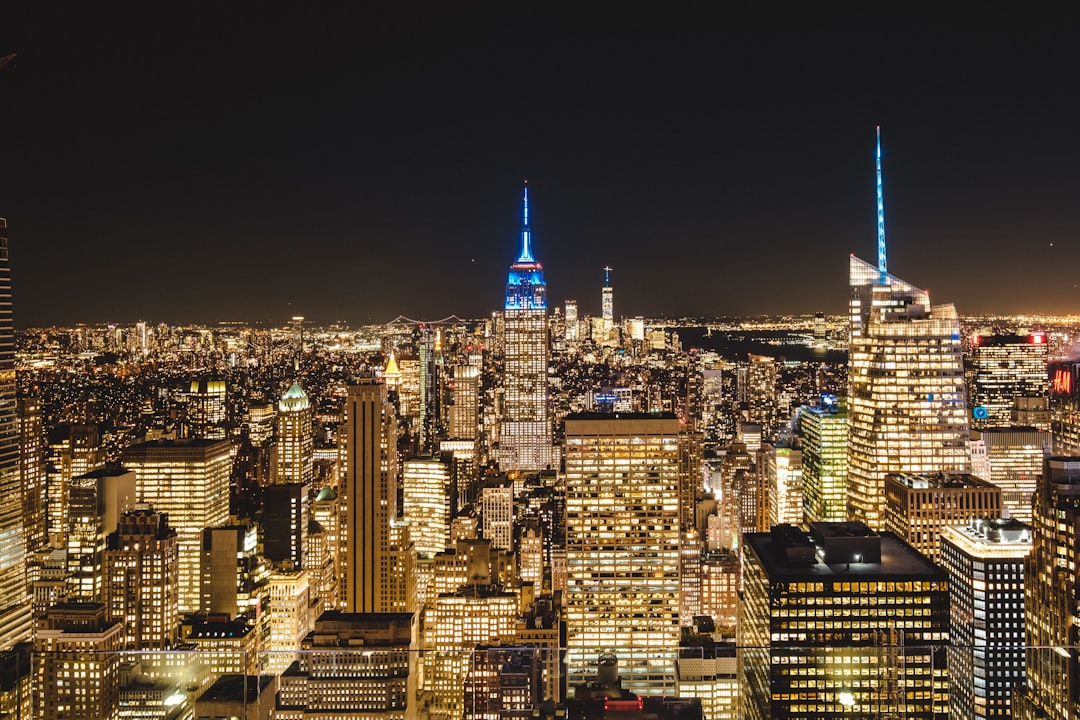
907, 409
607, 302
295, 439
14, 601
841, 623
189, 481
622, 546
464, 409
141, 567
207, 410
287, 617
74, 449
761, 393
525, 431
32, 472
823, 430
784, 479
918, 507
1015, 459
96, 501
985, 562
426, 504
1007, 368
1052, 597
368, 501
286, 504
573, 329
497, 512
1065, 407
78, 662
234, 575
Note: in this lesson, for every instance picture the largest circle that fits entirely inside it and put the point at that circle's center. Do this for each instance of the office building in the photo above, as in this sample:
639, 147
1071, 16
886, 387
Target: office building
189, 481
1065, 407
464, 409
1052, 597
784, 482
426, 504
985, 562
1006, 368
74, 449
918, 507
233, 574
352, 665
32, 473
250, 697
368, 450
96, 501
207, 409
761, 393
823, 430
287, 617
525, 431
708, 671
840, 623
497, 512
78, 662
573, 328
1015, 458
622, 546
14, 602
141, 571
907, 407
294, 440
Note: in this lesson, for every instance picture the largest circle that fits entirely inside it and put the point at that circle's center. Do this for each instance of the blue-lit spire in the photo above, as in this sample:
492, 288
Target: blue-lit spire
882, 264
526, 236
607, 275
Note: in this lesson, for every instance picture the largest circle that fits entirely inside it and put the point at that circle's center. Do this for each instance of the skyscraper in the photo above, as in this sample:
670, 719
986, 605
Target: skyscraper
607, 302
14, 605
823, 430
1052, 597
525, 432
1007, 367
188, 480
907, 409
368, 448
287, 508
622, 546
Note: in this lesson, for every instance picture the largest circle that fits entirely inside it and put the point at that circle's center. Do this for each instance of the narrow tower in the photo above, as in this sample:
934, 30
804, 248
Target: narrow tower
525, 432
881, 260
607, 301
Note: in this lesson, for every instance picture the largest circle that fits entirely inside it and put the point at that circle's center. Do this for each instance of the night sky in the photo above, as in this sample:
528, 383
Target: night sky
230, 165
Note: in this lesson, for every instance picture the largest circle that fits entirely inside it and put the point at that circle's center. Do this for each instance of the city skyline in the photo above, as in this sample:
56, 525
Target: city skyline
261, 163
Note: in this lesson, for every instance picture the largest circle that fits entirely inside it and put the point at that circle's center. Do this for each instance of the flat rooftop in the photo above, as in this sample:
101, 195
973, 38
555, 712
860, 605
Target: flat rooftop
899, 561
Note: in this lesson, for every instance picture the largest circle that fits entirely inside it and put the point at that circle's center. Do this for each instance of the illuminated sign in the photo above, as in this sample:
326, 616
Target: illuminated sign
1063, 381
979, 412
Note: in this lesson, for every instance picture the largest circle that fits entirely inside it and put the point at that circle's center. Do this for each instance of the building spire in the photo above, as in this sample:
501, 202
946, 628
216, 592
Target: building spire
607, 275
882, 264
526, 236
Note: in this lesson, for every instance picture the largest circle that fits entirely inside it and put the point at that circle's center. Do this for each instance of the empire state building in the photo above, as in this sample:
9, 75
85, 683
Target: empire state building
525, 430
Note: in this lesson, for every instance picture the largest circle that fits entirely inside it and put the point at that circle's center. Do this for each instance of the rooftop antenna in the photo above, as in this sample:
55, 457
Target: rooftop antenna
526, 236
882, 264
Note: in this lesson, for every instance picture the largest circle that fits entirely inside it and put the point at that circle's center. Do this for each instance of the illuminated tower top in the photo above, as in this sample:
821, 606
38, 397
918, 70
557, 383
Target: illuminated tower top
882, 264
525, 286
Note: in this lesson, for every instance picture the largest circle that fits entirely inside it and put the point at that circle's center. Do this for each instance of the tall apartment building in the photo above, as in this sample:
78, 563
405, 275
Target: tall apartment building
985, 562
189, 481
841, 623
919, 507
622, 546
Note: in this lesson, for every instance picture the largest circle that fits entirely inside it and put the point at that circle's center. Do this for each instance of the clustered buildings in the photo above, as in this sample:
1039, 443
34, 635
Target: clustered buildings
540, 513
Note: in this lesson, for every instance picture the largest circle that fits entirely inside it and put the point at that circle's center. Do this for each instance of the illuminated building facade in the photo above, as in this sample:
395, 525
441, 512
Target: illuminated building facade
985, 562
295, 440
841, 623
761, 393
573, 327
709, 672
1052, 597
1007, 367
74, 449
141, 570
784, 477
907, 411
497, 512
189, 481
368, 451
622, 546
287, 616
525, 430
1015, 456
1065, 407
918, 507
607, 302
78, 662
32, 472
426, 497
464, 409
352, 665
14, 605
234, 575
207, 411
96, 501
823, 430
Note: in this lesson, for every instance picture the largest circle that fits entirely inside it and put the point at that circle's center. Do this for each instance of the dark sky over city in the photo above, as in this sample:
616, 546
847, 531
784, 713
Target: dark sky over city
247, 166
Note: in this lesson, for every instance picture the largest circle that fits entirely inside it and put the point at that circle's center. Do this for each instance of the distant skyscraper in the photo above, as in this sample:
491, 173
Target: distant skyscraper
207, 411
188, 480
426, 504
907, 409
783, 470
1007, 367
287, 509
1015, 459
607, 302
1052, 597
368, 447
573, 329
14, 603
525, 432
32, 472
96, 501
761, 393
622, 546
464, 410
985, 561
